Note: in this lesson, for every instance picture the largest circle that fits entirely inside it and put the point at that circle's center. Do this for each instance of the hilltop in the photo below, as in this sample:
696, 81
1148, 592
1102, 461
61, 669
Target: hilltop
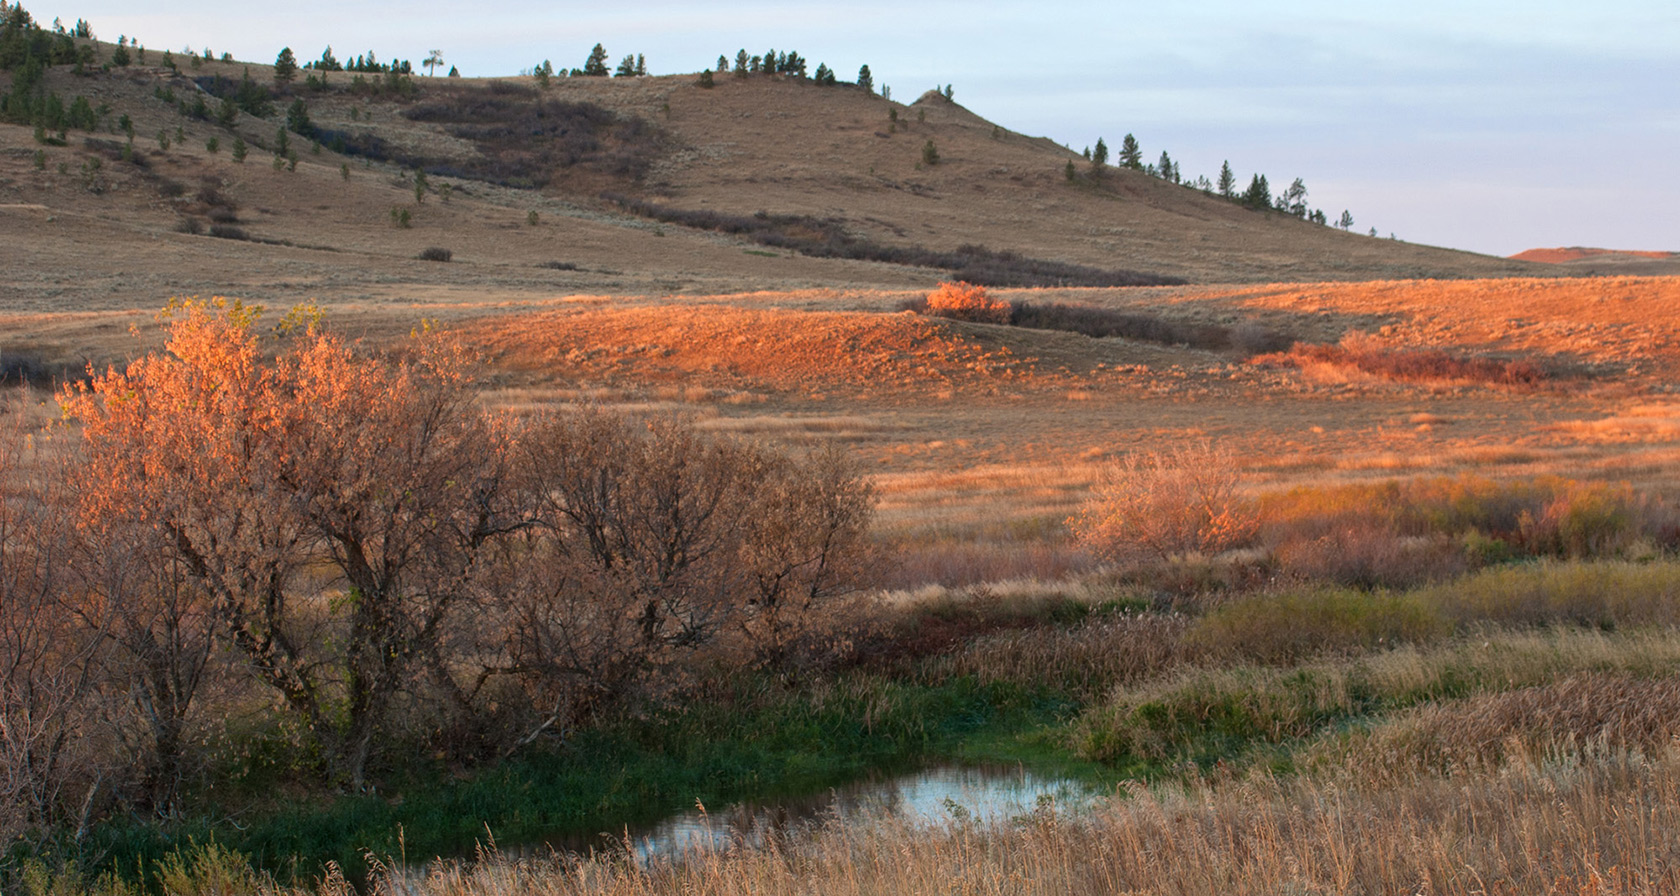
1584, 260
587, 184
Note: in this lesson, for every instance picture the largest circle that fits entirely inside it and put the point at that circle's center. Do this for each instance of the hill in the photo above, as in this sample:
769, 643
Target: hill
129, 213
1583, 260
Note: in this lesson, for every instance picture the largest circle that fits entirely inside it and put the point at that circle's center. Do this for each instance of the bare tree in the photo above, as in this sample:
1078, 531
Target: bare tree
52, 765
660, 546
260, 476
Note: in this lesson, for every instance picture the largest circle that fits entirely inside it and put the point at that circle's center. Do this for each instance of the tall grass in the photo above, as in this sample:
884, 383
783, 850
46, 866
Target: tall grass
1209, 713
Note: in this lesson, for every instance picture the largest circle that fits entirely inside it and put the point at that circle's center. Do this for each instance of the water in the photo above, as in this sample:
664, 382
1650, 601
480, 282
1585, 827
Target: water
931, 797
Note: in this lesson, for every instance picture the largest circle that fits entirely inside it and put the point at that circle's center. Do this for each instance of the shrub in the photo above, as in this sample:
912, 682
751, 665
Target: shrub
965, 301
1361, 352
1105, 323
1181, 501
700, 550
1364, 553
229, 232
436, 253
930, 154
1582, 520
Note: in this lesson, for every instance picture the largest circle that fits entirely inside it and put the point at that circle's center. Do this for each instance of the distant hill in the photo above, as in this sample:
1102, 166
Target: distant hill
642, 184
1581, 259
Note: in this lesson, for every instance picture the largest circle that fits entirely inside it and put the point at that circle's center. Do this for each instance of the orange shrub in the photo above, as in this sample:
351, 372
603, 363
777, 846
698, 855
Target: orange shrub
1179, 502
965, 301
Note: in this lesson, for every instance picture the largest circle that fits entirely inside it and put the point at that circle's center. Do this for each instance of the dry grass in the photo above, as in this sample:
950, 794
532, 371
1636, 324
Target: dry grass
1087, 658
1587, 712
1198, 711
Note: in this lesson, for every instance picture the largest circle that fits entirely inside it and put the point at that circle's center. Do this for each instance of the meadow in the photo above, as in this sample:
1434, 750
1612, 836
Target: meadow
1431, 600
557, 493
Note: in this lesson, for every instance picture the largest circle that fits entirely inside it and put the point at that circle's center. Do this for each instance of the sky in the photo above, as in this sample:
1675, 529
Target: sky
1489, 126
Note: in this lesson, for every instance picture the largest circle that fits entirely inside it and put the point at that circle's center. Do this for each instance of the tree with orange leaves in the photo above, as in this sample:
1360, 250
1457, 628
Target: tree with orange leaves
260, 474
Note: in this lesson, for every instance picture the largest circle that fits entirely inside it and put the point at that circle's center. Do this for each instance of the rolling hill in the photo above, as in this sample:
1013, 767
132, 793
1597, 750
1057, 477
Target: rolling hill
773, 171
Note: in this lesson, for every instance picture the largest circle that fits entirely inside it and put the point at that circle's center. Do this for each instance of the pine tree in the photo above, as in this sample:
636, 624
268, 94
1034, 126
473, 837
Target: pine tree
285, 66
596, 64
641, 65
1130, 155
297, 119
706, 78
1294, 199
930, 155
1259, 194
1099, 156
822, 73
329, 62
866, 80
1166, 169
1227, 180
743, 63
1345, 222
722, 63
626, 67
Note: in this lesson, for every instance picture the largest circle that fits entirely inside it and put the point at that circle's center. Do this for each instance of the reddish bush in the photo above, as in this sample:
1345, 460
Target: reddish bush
1362, 353
965, 301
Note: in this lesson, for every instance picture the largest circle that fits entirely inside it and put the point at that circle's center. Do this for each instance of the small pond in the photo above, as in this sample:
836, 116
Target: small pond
935, 796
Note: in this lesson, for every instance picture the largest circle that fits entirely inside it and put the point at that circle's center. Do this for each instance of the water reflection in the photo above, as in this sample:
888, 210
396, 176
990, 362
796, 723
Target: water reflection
931, 797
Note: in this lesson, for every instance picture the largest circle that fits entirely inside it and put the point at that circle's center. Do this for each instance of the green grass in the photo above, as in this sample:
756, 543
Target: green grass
755, 740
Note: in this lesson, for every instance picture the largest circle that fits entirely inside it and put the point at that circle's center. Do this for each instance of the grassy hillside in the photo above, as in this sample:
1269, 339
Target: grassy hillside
121, 217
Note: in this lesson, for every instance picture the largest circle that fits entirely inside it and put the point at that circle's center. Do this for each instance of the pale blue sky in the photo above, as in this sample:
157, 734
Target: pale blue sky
1494, 127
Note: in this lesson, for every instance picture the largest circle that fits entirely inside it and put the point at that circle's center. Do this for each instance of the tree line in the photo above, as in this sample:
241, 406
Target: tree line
1258, 196
344, 543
